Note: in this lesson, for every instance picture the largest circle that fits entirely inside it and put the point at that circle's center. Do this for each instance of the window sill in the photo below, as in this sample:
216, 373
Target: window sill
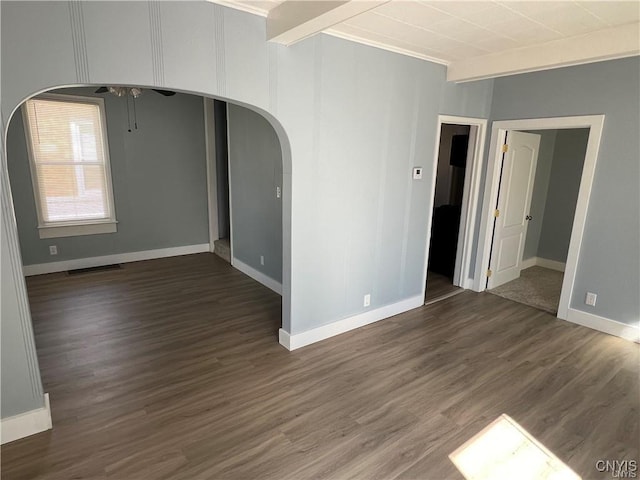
77, 230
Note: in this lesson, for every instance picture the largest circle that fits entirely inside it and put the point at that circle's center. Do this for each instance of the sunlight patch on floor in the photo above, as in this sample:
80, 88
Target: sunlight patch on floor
505, 450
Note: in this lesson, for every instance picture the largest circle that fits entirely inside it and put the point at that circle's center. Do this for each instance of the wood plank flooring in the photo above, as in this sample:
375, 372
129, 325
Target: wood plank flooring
170, 369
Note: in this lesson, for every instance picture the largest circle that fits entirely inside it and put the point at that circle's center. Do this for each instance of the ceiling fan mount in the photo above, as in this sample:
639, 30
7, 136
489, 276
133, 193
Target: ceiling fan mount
133, 92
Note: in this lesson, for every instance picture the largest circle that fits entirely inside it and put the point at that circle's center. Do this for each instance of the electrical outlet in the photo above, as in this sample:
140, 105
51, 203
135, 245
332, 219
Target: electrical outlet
261, 259
278, 192
367, 300
53, 250
591, 299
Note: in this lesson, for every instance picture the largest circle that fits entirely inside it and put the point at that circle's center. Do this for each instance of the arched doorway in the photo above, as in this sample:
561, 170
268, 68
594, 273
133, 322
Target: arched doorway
15, 288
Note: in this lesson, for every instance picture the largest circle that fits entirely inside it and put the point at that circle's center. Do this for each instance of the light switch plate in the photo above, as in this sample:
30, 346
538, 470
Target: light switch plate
417, 173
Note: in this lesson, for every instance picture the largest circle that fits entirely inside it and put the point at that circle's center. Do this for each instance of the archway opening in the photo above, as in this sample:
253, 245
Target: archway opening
147, 173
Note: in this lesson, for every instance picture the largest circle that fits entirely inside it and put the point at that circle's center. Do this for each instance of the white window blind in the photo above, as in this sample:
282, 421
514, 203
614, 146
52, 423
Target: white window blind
69, 161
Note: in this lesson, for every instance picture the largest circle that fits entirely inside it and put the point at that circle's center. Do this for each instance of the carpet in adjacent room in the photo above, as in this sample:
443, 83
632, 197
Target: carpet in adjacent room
537, 287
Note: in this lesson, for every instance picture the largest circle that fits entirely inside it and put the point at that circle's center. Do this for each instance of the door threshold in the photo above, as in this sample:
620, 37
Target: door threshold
443, 297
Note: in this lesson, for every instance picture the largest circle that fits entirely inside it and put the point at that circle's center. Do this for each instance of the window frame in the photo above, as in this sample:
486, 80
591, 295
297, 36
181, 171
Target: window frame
75, 227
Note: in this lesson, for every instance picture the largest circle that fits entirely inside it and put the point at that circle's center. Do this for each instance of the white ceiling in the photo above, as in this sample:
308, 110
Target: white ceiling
457, 31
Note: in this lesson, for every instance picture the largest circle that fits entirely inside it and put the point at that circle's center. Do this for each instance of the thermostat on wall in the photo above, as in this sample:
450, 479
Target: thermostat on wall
417, 173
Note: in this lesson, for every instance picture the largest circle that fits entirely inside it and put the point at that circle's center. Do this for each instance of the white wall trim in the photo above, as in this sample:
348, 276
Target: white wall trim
26, 424
59, 231
284, 338
292, 342
383, 46
257, 276
551, 264
471, 196
545, 263
467, 283
607, 44
63, 266
606, 325
595, 123
242, 6
229, 179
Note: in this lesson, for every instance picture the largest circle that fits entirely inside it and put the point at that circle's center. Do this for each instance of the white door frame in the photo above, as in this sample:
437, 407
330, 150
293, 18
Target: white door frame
470, 197
499, 130
212, 185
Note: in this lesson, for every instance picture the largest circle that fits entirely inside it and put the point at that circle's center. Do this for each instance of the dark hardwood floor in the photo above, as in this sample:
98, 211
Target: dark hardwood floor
171, 369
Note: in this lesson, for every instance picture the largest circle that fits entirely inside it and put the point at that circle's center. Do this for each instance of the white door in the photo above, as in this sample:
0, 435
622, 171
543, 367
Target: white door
514, 201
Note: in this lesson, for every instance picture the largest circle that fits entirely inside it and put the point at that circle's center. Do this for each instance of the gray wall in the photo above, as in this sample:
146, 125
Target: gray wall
609, 259
555, 192
539, 194
255, 170
562, 194
352, 122
159, 180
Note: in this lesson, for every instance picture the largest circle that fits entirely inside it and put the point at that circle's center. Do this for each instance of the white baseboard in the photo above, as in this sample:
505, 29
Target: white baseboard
285, 339
65, 265
606, 325
551, 264
543, 262
292, 342
257, 276
26, 424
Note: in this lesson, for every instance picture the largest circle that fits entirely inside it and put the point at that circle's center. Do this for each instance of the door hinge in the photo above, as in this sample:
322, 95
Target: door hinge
489, 272
496, 213
505, 148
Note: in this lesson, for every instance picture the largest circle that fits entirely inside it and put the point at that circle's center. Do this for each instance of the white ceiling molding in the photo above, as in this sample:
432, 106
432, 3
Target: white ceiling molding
294, 20
608, 44
249, 7
384, 46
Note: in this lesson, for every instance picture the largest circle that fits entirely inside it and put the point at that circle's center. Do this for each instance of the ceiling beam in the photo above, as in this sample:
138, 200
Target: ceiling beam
607, 44
295, 20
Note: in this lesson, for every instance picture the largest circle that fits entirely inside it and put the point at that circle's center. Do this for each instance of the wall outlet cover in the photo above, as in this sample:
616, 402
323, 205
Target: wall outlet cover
367, 300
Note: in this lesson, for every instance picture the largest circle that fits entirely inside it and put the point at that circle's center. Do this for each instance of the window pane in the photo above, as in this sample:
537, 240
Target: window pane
69, 160
65, 131
72, 192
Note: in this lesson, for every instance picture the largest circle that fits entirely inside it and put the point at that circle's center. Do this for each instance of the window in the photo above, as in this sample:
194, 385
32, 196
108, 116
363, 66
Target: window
67, 142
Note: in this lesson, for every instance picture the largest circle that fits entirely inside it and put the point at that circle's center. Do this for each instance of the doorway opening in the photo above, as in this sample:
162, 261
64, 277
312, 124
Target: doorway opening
502, 243
219, 212
455, 190
245, 178
537, 198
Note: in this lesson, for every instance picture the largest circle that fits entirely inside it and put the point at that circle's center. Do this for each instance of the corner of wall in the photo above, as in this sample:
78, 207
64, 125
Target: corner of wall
26, 424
